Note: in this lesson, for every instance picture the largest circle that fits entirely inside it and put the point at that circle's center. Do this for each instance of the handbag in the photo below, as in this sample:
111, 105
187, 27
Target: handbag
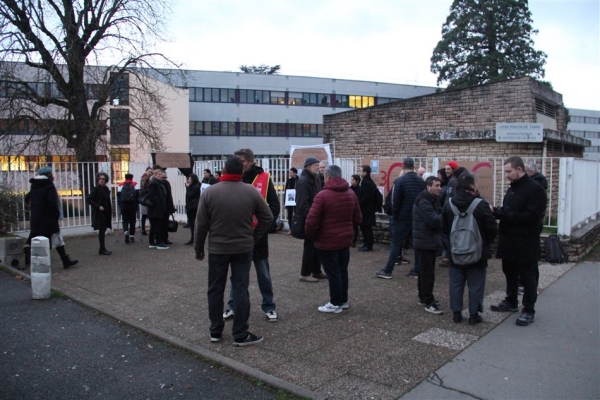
297, 226
172, 225
144, 199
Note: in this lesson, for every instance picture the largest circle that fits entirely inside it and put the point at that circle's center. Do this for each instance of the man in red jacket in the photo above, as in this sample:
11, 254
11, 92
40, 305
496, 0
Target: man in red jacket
330, 223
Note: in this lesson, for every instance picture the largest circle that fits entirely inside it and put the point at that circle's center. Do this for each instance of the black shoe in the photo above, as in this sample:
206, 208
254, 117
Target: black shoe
189, 242
474, 319
104, 252
144, 233
67, 262
250, 340
525, 319
126, 237
412, 274
503, 306
457, 317
364, 248
186, 226
168, 242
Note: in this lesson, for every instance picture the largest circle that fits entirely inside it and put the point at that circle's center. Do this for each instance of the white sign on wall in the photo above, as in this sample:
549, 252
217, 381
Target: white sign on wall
519, 132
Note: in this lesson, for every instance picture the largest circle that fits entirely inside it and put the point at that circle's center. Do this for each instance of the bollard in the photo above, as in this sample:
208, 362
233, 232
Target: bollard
41, 270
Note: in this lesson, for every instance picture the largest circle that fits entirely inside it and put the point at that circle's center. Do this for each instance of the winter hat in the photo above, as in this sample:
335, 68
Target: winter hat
310, 161
452, 164
408, 162
46, 171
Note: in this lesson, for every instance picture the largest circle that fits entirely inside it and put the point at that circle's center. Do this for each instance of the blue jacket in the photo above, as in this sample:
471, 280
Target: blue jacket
406, 190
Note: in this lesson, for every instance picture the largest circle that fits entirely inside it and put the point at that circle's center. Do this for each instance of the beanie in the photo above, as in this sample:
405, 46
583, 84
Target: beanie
310, 161
452, 164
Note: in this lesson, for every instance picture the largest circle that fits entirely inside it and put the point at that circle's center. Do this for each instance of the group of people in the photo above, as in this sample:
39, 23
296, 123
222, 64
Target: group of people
234, 218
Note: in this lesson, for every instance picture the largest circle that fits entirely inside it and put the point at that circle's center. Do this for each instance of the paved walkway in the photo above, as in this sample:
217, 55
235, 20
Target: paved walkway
381, 348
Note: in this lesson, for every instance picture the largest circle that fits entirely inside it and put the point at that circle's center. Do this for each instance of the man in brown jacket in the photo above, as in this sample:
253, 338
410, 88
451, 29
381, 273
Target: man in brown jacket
226, 211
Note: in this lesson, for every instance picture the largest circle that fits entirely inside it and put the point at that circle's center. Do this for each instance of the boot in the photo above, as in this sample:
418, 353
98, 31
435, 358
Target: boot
104, 252
67, 262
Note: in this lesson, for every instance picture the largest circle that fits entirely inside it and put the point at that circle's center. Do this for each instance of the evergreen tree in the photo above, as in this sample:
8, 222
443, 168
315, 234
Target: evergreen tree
486, 41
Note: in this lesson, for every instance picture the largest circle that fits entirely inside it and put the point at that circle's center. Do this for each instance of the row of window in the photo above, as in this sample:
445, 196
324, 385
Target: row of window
592, 149
585, 120
216, 128
215, 95
586, 134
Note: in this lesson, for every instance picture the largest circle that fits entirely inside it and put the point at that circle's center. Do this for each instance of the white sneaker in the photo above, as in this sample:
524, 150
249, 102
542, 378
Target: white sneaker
227, 314
330, 308
272, 316
345, 306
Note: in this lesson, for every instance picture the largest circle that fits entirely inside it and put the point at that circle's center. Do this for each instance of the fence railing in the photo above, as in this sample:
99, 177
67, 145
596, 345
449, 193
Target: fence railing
573, 189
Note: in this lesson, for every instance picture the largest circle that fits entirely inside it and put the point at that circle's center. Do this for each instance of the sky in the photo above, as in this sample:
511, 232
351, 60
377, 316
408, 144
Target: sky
377, 40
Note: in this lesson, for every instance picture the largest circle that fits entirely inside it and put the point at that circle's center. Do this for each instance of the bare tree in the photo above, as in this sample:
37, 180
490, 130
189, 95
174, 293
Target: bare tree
53, 84
260, 69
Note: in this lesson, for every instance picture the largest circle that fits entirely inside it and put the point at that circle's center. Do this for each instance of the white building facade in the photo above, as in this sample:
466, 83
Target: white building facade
586, 124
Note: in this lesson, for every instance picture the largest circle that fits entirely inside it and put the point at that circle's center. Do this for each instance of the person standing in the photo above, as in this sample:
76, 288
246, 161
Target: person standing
533, 173
170, 207
225, 214
157, 194
208, 177
290, 184
473, 275
261, 180
406, 189
427, 240
523, 207
354, 186
45, 211
192, 198
127, 195
145, 181
322, 165
330, 224
99, 200
307, 188
366, 199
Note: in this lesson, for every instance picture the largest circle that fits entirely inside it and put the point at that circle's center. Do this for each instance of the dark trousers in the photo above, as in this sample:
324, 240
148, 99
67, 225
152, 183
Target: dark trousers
128, 220
528, 274
335, 264
156, 231
143, 222
310, 259
191, 217
165, 227
475, 280
367, 232
290, 213
218, 267
426, 275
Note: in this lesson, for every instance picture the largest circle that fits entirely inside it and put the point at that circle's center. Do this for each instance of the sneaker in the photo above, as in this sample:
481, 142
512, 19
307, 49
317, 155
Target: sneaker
271, 316
127, 237
503, 306
152, 246
308, 279
474, 319
444, 263
228, 314
402, 260
525, 319
330, 308
457, 317
521, 291
412, 274
250, 340
320, 275
434, 309
383, 274
365, 248
422, 303
162, 246
215, 337
345, 306
131, 239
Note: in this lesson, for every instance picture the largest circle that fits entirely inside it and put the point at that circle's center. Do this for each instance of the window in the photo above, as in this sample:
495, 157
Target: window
323, 99
341, 100
119, 89
277, 98
545, 108
592, 135
578, 119
119, 126
361, 101
294, 99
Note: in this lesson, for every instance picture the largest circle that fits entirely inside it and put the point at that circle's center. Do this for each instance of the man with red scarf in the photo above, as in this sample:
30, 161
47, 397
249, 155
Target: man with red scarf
227, 211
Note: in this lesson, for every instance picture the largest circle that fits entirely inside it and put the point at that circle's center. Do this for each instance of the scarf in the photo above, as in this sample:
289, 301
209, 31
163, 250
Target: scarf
230, 178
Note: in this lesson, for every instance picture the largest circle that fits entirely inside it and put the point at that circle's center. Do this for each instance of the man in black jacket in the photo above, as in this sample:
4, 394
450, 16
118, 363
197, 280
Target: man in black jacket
533, 173
427, 240
307, 188
519, 241
366, 200
157, 194
256, 176
406, 189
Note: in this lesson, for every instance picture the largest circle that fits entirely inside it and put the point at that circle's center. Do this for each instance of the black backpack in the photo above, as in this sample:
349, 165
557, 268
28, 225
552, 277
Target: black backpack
555, 253
387, 206
128, 193
378, 200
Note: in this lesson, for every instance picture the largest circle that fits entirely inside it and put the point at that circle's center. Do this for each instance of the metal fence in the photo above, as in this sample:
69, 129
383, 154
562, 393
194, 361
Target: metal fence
573, 198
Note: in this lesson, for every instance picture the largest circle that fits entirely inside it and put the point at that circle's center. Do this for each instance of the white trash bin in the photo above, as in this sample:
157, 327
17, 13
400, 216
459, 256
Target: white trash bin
41, 269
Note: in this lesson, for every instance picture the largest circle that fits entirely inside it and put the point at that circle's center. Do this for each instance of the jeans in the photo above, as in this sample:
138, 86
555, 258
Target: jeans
401, 230
310, 259
218, 266
475, 279
529, 274
335, 264
263, 277
426, 275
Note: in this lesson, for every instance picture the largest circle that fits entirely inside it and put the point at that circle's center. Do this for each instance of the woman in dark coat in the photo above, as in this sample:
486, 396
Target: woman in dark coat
192, 198
99, 200
355, 187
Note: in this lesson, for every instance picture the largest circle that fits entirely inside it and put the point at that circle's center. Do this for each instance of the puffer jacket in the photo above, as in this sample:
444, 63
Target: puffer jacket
488, 228
334, 215
406, 190
427, 222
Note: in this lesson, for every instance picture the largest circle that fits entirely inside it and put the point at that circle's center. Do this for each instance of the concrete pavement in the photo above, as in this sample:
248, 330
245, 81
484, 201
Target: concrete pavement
381, 348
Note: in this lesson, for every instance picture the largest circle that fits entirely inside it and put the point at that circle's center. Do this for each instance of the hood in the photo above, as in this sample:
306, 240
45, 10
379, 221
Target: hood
39, 181
462, 199
337, 184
